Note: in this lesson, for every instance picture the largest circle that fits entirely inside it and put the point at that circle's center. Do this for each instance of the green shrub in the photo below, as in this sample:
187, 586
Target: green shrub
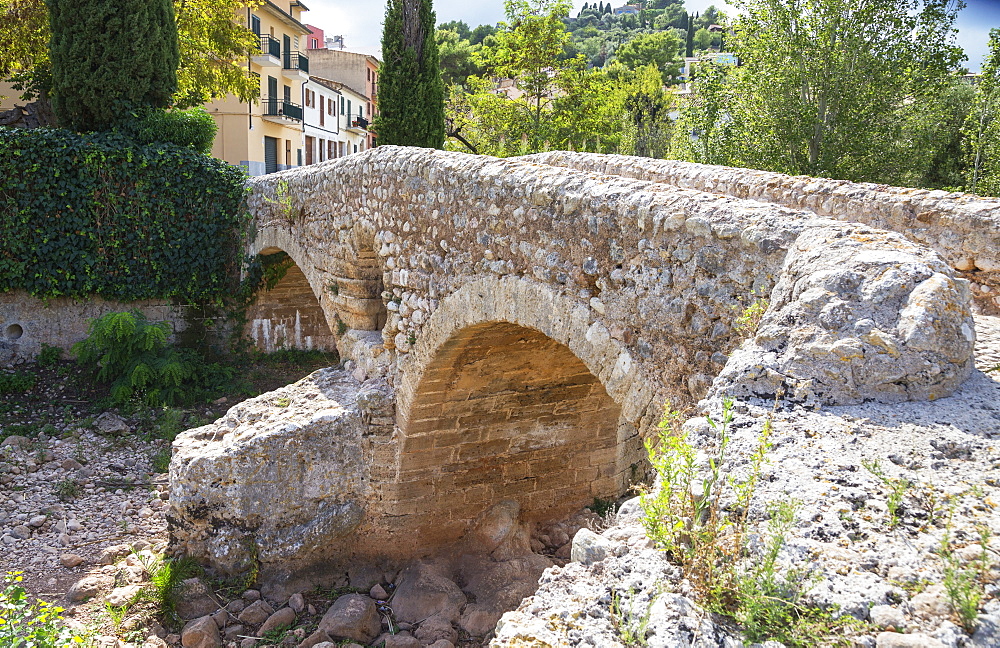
32, 625
100, 214
194, 128
132, 354
49, 355
16, 382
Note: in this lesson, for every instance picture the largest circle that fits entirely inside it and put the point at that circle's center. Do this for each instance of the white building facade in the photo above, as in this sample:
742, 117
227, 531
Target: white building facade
335, 120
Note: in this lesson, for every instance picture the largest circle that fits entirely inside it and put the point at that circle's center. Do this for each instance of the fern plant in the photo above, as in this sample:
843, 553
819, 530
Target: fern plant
132, 353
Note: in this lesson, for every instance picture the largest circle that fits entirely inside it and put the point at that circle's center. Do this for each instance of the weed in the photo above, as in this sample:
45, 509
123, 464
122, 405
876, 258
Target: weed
117, 614
683, 517
16, 382
897, 490
67, 489
273, 636
283, 401
333, 288
26, 624
165, 577
341, 327
411, 339
603, 507
49, 355
170, 423
749, 319
283, 200
964, 585
161, 460
630, 630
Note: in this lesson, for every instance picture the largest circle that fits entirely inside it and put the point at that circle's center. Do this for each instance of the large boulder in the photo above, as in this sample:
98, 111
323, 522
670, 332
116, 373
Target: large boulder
277, 479
857, 315
352, 616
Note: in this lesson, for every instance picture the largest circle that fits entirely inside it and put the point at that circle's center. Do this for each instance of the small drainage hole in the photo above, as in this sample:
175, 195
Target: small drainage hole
14, 332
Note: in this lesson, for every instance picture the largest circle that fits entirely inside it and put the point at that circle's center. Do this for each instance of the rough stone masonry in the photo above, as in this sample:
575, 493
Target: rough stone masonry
512, 330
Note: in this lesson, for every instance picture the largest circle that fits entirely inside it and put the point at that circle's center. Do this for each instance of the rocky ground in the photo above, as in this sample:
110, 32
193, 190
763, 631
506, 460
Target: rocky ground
887, 499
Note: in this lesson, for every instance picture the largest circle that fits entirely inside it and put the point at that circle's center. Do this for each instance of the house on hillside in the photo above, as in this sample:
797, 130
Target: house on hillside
627, 10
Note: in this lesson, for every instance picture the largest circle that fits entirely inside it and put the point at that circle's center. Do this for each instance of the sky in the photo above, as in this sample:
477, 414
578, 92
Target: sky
362, 27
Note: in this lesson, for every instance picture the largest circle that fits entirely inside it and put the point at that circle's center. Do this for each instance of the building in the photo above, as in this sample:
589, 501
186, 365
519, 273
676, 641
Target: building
356, 71
627, 10
266, 136
316, 38
336, 123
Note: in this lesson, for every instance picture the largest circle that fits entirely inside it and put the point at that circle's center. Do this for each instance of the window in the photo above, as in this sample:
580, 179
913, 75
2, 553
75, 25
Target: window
322, 113
255, 24
341, 105
288, 94
329, 108
330, 153
369, 74
321, 150
313, 43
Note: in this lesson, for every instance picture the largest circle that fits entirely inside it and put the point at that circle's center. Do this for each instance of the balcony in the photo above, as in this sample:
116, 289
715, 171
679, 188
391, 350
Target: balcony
280, 111
270, 52
356, 123
296, 66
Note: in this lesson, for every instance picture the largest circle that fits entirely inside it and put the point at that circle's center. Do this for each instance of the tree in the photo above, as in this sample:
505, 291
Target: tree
527, 50
661, 49
214, 48
826, 87
456, 56
702, 39
411, 93
98, 76
983, 126
457, 26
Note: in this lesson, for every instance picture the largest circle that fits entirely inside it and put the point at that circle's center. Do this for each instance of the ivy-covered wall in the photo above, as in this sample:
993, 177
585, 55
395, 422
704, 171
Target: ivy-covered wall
97, 214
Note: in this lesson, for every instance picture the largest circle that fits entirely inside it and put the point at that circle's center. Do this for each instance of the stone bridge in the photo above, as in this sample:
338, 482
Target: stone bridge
512, 329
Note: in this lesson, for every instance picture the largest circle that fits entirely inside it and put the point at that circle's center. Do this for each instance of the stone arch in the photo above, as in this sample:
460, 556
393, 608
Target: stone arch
513, 392
290, 315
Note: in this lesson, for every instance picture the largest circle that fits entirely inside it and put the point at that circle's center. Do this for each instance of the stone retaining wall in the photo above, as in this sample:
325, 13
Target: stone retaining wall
27, 322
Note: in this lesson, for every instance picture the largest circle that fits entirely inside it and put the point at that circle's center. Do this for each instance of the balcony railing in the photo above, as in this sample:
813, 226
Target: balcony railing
296, 61
277, 107
270, 46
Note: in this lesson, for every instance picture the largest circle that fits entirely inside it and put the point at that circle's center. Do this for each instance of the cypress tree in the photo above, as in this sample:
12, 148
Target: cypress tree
411, 93
110, 58
690, 37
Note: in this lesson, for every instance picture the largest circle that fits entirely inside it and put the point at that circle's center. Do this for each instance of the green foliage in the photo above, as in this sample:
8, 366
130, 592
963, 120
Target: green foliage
49, 355
982, 129
165, 577
16, 382
750, 317
32, 625
213, 49
661, 49
133, 355
898, 487
456, 57
411, 92
161, 460
631, 627
98, 215
963, 585
98, 74
67, 489
194, 128
829, 87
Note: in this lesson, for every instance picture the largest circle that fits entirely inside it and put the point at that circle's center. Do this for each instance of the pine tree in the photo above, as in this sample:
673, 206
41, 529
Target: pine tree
111, 58
411, 93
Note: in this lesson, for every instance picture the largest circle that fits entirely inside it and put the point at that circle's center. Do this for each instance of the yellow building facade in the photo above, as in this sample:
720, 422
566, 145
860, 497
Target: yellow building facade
266, 136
